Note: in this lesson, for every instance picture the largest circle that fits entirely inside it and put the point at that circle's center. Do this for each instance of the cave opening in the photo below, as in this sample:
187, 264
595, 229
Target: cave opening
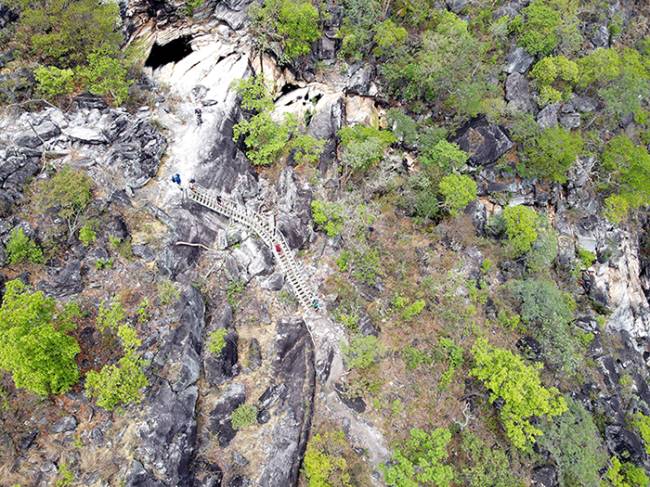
172, 52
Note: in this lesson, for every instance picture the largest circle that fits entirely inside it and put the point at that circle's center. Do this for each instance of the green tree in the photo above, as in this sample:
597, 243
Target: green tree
524, 397
363, 146
324, 464
265, 139
388, 37
34, 345
63, 33
626, 169
550, 154
254, 94
328, 216
21, 248
420, 460
117, 385
485, 466
457, 191
548, 312
545, 23
574, 442
294, 24
54, 82
555, 77
106, 75
363, 352
444, 155
520, 224
626, 474
70, 191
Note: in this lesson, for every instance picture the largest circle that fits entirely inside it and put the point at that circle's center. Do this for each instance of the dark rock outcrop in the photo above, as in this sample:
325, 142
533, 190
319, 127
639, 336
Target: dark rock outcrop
484, 142
220, 422
294, 369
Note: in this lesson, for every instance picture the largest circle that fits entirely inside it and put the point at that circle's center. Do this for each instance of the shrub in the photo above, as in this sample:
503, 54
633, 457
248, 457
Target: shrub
110, 318
87, 235
294, 23
586, 257
307, 149
485, 465
359, 21
254, 94
363, 146
551, 154
403, 126
599, 66
69, 190
544, 250
366, 265
626, 475
388, 36
642, 423
520, 224
54, 82
627, 169
444, 155
168, 292
555, 76
34, 346
328, 216
265, 139
363, 352
544, 23
549, 312
617, 208
324, 463
413, 309
420, 460
244, 416
457, 191
217, 341
524, 397
117, 385
106, 75
234, 290
574, 442
21, 248
451, 354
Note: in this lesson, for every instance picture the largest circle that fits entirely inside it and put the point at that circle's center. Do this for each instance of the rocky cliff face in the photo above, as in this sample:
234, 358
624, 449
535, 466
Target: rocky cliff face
288, 365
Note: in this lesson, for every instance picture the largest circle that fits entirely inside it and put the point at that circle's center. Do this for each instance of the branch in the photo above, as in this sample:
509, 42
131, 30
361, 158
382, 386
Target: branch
191, 244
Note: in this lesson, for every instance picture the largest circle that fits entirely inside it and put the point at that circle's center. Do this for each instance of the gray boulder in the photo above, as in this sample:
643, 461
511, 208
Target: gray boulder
220, 422
518, 93
518, 61
548, 116
294, 215
484, 142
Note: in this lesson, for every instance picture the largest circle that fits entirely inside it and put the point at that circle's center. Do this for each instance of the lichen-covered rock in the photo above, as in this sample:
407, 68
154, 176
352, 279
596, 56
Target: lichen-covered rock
484, 142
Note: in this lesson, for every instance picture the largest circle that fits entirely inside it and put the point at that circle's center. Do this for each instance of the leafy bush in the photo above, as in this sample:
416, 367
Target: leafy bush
457, 191
244, 416
168, 292
359, 21
363, 352
420, 460
599, 66
520, 224
307, 149
69, 190
254, 94
293, 23
451, 354
414, 309
628, 172
550, 154
110, 318
328, 216
506, 376
265, 139
363, 146
642, 423
388, 36
21, 248
548, 312
87, 235
586, 257
403, 126
53, 82
485, 466
574, 442
366, 265
34, 345
555, 76
444, 155
121, 384
324, 463
217, 341
544, 251
545, 23
626, 475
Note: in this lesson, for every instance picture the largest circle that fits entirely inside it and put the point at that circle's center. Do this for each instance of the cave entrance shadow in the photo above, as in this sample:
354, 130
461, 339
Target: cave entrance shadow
172, 52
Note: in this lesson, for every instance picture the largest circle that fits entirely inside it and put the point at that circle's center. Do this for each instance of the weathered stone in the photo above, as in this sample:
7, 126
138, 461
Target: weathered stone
220, 422
484, 142
294, 205
548, 116
518, 61
219, 368
570, 120
86, 135
254, 355
545, 476
66, 423
518, 93
360, 78
293, 367
273, 283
